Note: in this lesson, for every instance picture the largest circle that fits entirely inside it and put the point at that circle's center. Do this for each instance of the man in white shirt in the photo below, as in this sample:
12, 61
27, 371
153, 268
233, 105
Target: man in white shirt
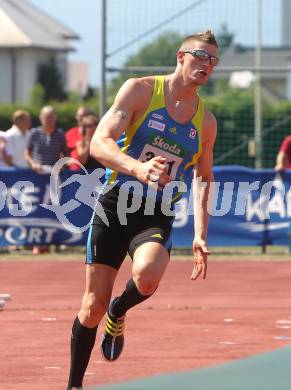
17, 137
5, 151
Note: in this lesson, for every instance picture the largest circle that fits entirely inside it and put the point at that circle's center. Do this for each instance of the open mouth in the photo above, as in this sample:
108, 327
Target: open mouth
202, 72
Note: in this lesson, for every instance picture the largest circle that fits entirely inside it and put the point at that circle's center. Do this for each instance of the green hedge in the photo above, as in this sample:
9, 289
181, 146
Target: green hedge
233, 109
66, 113
235, 119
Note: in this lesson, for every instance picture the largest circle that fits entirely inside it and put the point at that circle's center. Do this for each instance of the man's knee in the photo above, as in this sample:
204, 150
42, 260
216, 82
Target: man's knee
94, 307
146, 282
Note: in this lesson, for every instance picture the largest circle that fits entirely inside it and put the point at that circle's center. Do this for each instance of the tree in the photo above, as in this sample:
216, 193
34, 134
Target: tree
50, 78
225, 38
161, 52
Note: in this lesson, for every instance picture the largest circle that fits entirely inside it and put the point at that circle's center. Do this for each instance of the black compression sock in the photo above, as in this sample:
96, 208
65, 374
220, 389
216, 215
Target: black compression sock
82, 343
129, 298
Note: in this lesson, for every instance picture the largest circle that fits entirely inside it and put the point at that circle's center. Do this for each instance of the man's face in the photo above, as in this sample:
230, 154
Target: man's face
81, 113
25, 123
197, 68
49, 120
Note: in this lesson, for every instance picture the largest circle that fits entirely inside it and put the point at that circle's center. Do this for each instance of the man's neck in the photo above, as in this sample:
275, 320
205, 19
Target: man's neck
20, 128
48, 130
179, 92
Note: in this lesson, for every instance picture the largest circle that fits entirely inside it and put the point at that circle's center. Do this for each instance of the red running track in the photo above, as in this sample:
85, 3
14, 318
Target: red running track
241, 309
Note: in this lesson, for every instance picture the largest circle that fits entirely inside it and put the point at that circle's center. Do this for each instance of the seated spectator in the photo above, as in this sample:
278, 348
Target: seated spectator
5, 151
46, 145
17, 137
284, 156
75, 134
89, 124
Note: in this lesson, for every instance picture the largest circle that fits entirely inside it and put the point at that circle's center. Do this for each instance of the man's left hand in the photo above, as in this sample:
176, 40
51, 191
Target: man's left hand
201, 253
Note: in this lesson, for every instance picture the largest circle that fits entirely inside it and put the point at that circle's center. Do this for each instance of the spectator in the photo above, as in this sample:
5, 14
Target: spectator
46, 144
88, 124
5, 151
284, 162
75, 134
17, 137
284, 155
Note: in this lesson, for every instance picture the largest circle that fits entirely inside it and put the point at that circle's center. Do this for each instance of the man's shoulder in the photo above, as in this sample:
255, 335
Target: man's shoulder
10, 132
141, 82
60, 132
140, 85
35, 130
138, 91
209, 119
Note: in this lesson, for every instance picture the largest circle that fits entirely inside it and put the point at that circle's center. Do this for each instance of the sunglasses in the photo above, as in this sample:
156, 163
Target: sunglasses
89, 125
203, 56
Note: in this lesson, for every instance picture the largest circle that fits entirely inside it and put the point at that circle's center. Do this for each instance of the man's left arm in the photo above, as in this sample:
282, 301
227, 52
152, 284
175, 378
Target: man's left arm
202, 184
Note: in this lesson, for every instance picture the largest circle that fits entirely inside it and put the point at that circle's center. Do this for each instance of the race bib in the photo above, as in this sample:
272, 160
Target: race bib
172, 162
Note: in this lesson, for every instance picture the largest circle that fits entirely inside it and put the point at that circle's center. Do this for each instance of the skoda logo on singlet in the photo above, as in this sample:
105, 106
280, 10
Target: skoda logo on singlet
167, 145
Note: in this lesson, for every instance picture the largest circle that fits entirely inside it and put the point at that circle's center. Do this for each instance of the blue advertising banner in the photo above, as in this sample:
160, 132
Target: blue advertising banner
250, 207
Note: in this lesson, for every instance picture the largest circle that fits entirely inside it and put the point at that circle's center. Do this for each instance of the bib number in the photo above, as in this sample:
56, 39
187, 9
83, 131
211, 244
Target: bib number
172, 162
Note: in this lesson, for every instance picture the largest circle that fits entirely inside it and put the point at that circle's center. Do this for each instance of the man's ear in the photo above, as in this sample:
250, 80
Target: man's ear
180, 57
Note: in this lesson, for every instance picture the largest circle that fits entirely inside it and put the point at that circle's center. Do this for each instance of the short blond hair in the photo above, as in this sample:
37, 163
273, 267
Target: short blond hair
204, 36
46, 110
19, 115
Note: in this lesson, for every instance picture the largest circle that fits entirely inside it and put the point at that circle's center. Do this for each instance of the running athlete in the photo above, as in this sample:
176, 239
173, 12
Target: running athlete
156, 132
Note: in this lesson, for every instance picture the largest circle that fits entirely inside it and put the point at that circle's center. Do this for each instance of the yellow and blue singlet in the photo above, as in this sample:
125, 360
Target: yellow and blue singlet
157, 134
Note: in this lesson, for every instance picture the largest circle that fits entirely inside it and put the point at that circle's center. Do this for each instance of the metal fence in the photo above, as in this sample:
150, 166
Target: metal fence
248, 90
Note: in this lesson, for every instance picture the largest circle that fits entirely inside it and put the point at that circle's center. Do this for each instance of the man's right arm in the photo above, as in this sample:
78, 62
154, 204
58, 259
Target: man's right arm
33, 164
133, 97
7, 150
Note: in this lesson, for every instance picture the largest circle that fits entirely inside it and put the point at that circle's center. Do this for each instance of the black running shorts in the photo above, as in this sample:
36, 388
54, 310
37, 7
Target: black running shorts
109, 244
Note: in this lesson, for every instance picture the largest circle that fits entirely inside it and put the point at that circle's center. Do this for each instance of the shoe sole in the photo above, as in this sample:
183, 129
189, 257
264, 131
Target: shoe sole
5, 297
103, 356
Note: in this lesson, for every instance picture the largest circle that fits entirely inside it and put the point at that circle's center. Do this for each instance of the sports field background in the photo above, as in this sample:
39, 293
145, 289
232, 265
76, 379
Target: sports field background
243, 309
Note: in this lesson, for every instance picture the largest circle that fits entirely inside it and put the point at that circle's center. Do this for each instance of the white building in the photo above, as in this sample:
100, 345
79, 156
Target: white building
28, 38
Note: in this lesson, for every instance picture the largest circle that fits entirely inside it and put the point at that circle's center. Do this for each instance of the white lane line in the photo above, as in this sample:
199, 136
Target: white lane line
281, 337
228, 320
283, 322
49, 319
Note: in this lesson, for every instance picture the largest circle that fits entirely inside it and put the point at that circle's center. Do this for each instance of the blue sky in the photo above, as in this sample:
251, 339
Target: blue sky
128, 19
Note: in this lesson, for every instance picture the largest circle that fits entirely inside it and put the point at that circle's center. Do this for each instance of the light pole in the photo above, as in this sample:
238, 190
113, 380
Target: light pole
258, 97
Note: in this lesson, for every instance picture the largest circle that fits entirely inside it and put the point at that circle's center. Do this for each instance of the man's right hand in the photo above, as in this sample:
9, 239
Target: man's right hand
36, 167
153, 172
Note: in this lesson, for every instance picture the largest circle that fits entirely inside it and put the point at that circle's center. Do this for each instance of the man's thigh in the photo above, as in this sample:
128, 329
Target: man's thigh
144, 229
106, 242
